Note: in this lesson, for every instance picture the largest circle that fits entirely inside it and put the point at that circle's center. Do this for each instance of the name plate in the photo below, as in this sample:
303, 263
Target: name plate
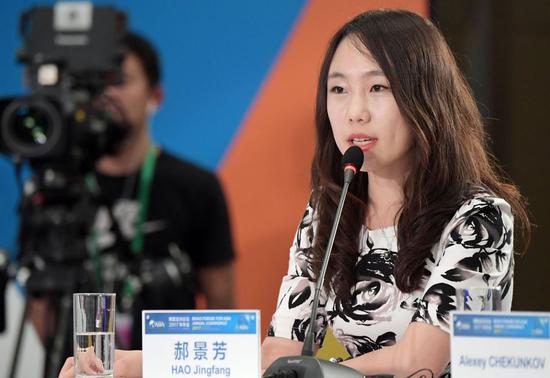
509, 344
210, 344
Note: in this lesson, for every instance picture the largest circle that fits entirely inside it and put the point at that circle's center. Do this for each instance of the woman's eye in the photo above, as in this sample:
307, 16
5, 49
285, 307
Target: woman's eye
378, 88
337, 89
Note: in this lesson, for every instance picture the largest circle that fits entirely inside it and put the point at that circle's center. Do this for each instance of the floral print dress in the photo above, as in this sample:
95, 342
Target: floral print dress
475, 250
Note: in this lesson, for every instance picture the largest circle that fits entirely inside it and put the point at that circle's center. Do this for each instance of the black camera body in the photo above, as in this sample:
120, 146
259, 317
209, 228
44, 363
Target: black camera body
71, 52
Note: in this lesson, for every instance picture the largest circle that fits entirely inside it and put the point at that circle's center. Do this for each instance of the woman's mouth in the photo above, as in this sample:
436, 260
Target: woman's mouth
363, 142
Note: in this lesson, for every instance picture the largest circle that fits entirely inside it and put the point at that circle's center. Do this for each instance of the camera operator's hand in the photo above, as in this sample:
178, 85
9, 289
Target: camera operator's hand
128, 364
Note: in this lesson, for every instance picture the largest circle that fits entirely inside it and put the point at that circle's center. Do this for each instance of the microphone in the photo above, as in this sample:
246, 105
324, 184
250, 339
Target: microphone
351, 163
307, 366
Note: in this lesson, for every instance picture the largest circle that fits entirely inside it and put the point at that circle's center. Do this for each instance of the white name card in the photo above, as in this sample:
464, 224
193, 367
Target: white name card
209, 344
508, 344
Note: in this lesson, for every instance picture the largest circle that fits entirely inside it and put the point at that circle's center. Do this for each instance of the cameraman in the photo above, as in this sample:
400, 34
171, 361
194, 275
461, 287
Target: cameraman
163, 221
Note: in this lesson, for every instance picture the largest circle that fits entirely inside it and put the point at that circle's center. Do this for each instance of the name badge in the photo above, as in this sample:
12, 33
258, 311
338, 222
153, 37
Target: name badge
210, 344
513, 344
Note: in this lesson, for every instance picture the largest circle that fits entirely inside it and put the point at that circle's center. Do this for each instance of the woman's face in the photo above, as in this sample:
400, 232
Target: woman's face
363, 112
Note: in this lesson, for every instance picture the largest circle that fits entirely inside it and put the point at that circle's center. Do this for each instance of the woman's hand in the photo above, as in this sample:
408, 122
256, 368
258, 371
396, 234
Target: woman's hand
89, 363
275, 347
128, 364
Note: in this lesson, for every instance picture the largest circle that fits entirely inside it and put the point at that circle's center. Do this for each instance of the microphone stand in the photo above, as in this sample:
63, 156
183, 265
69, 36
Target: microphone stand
307, 366
307, 349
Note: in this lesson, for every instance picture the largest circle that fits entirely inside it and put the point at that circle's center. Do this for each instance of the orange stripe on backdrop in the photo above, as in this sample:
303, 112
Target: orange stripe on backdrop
266, 172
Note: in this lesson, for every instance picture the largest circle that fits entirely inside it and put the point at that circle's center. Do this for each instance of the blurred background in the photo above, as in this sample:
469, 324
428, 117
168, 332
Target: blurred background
240, 80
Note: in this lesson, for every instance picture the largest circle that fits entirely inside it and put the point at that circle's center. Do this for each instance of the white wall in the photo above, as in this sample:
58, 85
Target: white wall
31, 358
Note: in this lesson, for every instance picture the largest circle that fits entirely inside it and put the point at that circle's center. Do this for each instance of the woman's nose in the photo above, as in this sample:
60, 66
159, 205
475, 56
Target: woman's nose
358, 111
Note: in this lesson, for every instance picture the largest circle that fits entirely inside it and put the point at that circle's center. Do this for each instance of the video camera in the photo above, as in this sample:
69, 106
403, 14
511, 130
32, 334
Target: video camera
71, 52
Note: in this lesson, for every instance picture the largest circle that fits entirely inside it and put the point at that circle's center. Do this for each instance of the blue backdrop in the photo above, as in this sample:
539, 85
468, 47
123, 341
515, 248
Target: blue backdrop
216, 55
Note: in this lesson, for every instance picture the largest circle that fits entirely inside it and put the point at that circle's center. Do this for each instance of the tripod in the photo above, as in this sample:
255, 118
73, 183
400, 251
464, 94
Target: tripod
59, 285
55, 221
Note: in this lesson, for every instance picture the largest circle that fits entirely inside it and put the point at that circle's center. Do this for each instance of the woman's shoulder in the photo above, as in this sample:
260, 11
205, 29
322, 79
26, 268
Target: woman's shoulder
308, 220
483, 220
481, 201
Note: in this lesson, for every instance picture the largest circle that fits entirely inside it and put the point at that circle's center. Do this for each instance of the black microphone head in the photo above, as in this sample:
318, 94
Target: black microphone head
354, 157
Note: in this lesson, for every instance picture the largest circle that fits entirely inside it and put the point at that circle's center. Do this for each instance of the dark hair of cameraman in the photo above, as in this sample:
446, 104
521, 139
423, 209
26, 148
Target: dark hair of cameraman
147, 55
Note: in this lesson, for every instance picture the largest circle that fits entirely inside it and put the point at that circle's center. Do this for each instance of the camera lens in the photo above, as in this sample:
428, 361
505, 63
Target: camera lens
31, 127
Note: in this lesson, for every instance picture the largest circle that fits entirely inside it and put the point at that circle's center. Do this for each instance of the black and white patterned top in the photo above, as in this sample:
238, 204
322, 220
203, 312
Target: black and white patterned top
475, 250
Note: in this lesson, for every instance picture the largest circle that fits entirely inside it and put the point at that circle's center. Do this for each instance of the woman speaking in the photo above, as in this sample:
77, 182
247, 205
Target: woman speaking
428, 214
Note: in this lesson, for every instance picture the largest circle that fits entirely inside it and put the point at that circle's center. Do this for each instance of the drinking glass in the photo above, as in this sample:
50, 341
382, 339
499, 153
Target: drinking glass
94, 334
479, 299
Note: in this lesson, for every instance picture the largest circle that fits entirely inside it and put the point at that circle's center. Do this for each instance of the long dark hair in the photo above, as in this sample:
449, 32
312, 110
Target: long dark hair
450, 149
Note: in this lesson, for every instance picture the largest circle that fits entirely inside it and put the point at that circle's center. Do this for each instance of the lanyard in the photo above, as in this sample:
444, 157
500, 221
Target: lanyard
144, 191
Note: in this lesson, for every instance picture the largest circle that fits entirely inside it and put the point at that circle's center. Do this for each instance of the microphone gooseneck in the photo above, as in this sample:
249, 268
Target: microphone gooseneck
305, 365
351, 164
